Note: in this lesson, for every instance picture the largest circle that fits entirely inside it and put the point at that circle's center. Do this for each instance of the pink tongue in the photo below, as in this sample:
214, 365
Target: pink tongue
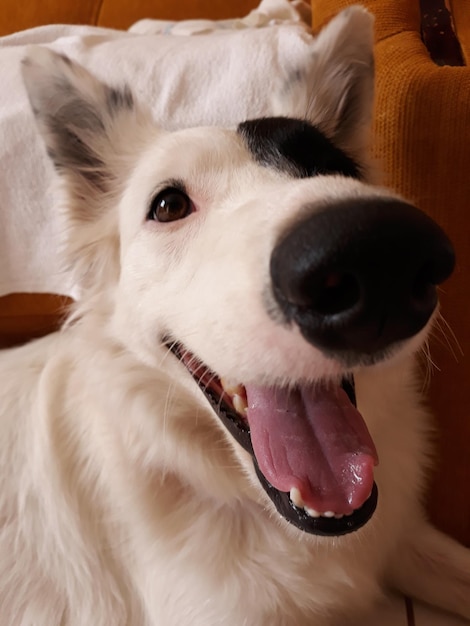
315, 440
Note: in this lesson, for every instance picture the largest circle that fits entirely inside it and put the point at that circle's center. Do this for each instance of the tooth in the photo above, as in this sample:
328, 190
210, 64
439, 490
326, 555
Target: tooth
232, 390
339, 516
328, 514
296, 498
239, 404
312, 512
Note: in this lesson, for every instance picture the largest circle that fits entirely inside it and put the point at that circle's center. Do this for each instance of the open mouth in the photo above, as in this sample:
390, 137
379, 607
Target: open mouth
311, 449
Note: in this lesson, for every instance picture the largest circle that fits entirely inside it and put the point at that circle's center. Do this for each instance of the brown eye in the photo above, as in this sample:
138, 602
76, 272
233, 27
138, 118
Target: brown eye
170, 205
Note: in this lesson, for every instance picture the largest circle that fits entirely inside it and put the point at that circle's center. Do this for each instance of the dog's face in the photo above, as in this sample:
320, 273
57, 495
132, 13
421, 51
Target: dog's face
259, 256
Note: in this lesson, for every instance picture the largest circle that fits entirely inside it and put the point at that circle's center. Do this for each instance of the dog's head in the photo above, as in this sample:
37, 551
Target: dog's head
261, 257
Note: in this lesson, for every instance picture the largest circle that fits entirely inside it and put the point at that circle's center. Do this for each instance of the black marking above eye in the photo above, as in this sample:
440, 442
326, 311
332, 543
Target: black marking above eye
169, 205
296, 147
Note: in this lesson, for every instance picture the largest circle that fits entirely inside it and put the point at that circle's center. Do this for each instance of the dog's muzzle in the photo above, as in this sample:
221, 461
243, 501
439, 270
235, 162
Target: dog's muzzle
360, 276
357, 279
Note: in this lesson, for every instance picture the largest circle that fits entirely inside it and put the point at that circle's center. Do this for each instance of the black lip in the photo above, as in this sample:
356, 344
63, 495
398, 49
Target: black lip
323, 526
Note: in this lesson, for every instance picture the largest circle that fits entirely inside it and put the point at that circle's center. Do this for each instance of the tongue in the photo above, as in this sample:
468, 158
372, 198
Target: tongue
315, 440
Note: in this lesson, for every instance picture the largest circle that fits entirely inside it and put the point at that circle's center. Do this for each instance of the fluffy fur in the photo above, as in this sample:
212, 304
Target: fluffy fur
123, 500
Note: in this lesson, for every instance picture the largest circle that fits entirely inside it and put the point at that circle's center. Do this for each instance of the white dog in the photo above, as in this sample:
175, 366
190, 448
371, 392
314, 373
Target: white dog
187, 451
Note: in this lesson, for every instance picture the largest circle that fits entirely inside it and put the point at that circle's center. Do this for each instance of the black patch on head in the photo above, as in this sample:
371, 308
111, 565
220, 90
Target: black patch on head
296, 147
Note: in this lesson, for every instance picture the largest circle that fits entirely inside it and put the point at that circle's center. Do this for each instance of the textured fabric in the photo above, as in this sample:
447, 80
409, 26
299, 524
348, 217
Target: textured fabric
422, 142
461, 17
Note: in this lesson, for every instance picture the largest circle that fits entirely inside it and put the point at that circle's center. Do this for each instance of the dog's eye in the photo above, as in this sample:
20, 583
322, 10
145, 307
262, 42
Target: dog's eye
170, 205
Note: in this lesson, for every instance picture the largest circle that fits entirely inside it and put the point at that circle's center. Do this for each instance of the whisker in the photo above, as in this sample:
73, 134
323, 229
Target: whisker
446, 331
429, 365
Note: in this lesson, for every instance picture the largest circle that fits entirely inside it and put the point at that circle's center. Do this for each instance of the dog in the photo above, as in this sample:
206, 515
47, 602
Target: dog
228, 428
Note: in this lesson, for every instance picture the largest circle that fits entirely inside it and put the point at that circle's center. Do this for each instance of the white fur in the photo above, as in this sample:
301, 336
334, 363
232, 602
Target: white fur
123, 501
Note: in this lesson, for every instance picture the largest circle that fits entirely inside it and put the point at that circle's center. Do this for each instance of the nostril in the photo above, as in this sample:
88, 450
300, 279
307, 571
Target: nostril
333, 293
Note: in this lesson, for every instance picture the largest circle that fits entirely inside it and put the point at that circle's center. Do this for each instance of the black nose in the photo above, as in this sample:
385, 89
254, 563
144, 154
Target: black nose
361, 275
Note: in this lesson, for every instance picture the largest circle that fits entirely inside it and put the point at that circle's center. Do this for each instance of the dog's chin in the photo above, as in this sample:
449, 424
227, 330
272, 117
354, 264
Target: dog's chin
230, 407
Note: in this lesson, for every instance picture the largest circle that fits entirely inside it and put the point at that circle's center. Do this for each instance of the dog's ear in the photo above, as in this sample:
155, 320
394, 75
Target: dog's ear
89, 130
79, 117
336, 92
